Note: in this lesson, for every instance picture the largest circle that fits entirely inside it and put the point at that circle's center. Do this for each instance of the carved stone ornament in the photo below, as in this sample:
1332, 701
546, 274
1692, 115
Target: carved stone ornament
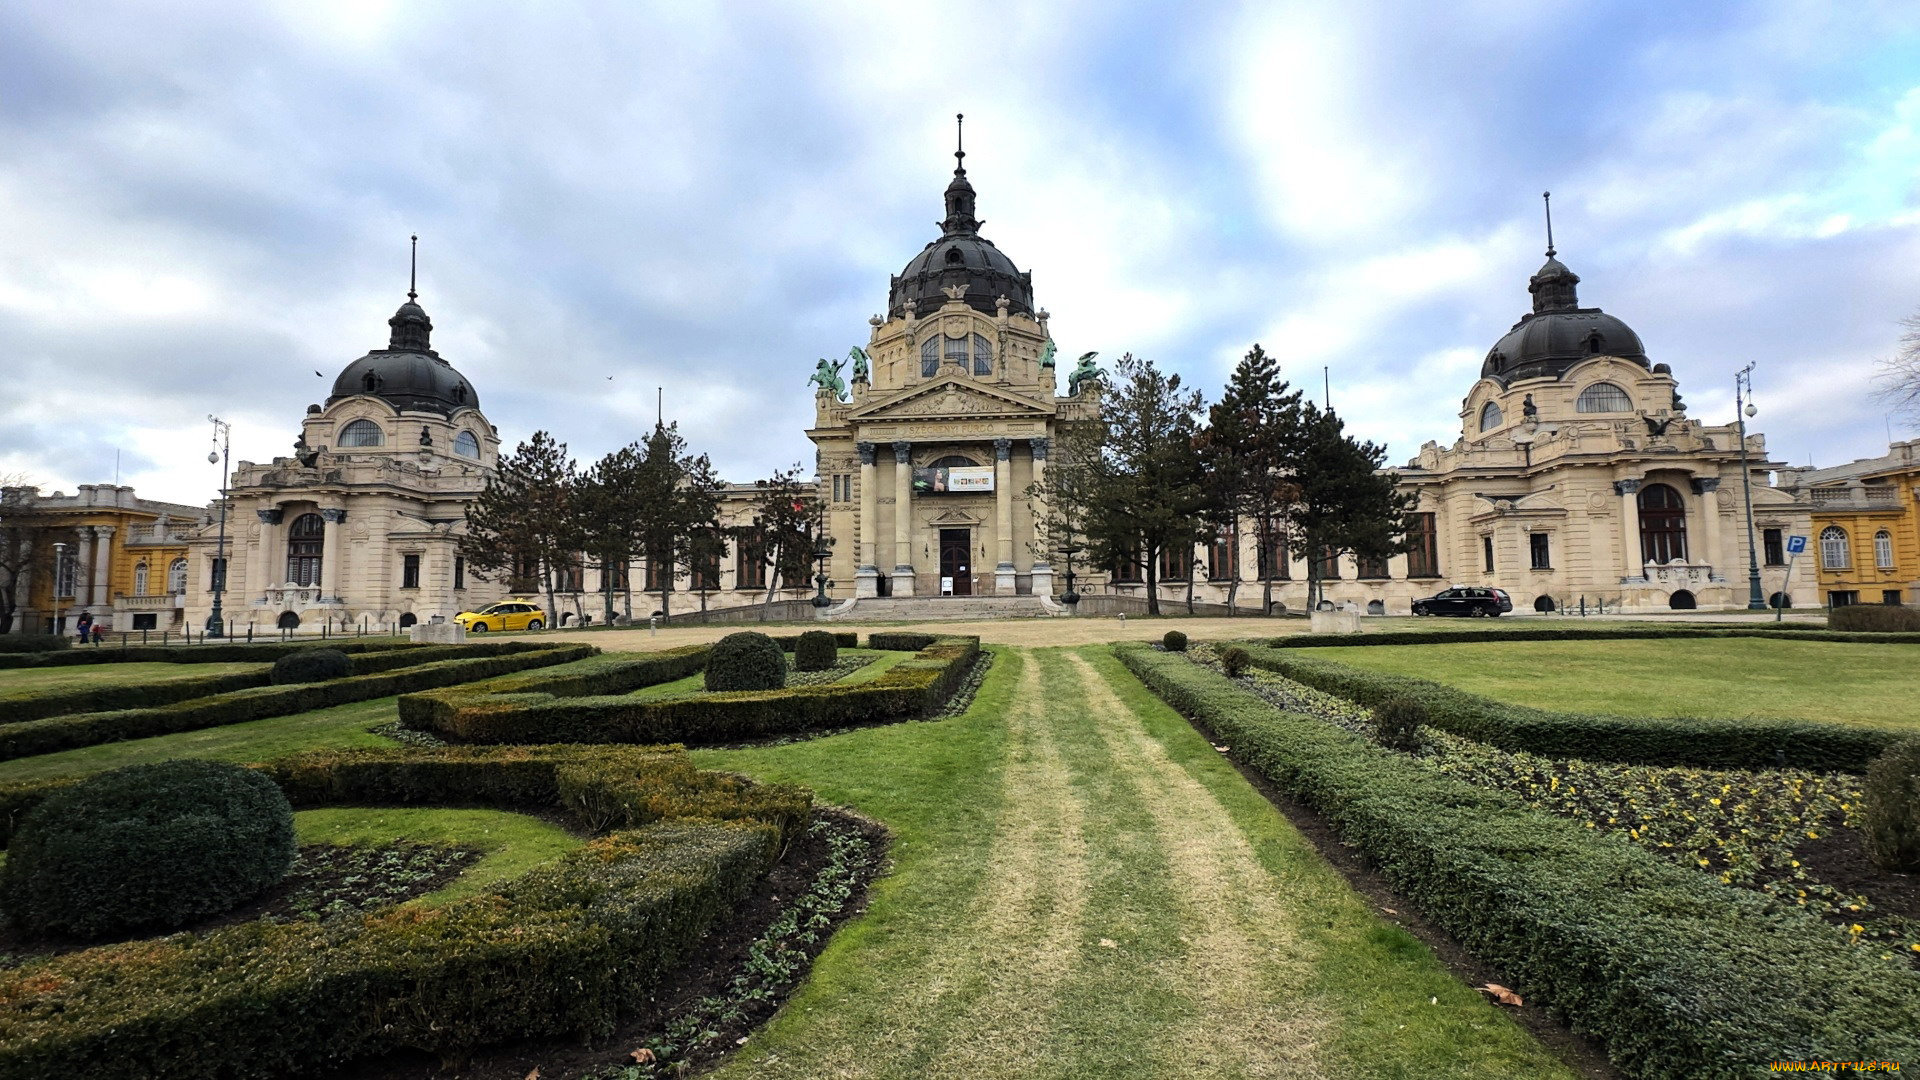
332, 516
902, 453
1626, 487
1706, 485
270, 517
867, 452
1003, 449
1040, 448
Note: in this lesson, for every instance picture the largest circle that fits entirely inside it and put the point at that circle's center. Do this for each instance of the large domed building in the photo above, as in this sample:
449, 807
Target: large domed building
360, 524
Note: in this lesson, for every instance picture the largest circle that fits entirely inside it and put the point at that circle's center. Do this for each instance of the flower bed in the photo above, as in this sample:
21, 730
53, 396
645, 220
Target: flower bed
1674, 972
565, 949
530, 711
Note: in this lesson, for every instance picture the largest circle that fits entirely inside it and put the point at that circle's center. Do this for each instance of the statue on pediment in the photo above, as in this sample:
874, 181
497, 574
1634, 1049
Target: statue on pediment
861, 368
1083, 372
826, 376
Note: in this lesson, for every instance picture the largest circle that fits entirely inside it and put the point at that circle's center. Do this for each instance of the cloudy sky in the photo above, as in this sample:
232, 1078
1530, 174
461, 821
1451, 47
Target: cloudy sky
203, 204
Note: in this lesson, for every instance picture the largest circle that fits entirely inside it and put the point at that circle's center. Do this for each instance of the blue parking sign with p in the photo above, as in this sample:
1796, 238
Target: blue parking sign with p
1796, 544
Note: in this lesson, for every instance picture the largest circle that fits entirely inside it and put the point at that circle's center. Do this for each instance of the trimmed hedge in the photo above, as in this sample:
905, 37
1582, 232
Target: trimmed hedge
901, 642
1785, 631
527, 712
1640, 740
1174, 641
845, 639
147, 846
33, 643
746, 661
815, 651
1891, 808
89, 729
228, 652
1875, 619
566, 950
311, 665
40, 704
1673, 972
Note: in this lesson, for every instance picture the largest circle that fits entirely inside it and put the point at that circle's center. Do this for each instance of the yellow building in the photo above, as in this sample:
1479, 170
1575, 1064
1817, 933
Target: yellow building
1866, 527
106, 552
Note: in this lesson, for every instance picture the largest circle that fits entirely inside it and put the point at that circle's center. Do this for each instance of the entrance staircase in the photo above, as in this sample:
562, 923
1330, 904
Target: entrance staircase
916, 608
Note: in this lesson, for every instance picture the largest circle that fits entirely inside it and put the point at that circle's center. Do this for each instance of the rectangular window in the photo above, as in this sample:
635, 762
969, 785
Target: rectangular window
1775, 550
1176, 563
146, 620
459, 571
1537, 549
750, 565
1486, 552
409, 571
1329, 565
1127, 568
1274, 563
573, 576
654, 575
1371, 569
1223, 561
217, 575
705, 576
1842, 598
1890, 596
956, 351
1423, 547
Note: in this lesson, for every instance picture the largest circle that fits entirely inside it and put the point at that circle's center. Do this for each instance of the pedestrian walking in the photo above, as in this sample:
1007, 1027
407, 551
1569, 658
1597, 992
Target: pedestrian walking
84, 626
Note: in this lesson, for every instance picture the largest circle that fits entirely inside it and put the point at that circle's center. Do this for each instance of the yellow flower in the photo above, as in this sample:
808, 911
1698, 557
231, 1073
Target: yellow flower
1703, 862
1811, 835
1858, 929
1915, 946
1715, 802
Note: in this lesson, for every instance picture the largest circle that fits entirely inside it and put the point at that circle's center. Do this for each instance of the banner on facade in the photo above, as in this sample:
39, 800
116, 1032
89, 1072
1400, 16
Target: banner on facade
953, 480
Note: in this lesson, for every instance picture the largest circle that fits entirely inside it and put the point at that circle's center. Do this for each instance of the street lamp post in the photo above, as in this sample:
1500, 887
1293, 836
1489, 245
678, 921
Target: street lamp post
216, 626
822, 551
1743, 408
1070, 550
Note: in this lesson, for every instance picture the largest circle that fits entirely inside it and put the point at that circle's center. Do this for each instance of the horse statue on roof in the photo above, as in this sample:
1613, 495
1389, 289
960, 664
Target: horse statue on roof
862, 369
826, 376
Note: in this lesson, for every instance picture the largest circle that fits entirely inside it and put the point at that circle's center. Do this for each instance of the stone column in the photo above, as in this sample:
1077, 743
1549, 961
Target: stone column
1633, 568
866, 577
330, 541
1042, 558
82, 568
902, 519
102, 557
1003, 575
260, 566
1707, 487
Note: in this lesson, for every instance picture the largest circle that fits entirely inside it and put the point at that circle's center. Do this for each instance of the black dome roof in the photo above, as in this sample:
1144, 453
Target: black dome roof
408, 374
1558, 333
961, 257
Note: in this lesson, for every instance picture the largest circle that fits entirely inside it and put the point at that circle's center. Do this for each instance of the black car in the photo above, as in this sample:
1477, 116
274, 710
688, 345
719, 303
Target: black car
1471, 600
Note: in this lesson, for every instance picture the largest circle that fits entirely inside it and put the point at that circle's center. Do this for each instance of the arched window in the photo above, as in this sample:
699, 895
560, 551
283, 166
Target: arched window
1603, 397
465, 445
1682, 600
177, 576
408, 619
1663, 525
955, 461
1835, 553
930, 358
1490, 416
957, 351
362, 433
1883, 549
304, 542
982, 356
288, 620
140, 579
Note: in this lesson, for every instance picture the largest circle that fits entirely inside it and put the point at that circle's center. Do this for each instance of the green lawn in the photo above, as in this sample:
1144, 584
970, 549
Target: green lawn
81, 676
1081, 886
1701, 677
513, 843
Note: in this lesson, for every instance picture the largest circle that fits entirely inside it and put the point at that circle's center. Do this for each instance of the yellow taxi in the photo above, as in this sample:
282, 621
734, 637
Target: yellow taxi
508, 614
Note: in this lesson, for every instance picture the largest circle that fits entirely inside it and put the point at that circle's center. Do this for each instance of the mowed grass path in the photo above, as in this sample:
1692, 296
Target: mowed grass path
1083, 887
1701, 677
87, 676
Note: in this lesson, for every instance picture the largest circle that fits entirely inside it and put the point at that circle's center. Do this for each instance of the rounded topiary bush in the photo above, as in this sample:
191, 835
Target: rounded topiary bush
1174, 641
815, 651
1397, 722
746, 661
147, 847
311, 665
1890, 813
1235, 661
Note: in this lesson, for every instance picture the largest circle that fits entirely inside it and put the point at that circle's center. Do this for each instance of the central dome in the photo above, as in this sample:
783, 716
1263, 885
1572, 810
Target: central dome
1558, 333
961, 258
407, 374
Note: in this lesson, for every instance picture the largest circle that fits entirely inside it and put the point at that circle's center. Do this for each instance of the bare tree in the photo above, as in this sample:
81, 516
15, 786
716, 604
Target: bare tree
1899, 377
26, 545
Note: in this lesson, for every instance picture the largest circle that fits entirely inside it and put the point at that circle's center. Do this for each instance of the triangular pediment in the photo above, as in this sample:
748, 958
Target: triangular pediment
953, 396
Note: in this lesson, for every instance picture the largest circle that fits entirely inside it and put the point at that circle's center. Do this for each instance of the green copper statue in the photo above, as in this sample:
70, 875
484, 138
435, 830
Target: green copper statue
826, 375
1083, 372
1046, 355
861, 369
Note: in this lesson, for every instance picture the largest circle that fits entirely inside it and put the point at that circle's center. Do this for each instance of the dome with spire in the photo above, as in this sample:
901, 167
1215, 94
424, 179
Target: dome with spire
1558, 333
407, 374
960, 257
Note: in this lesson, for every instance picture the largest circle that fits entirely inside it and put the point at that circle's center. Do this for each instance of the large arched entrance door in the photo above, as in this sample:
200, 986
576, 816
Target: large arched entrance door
956, 561
1663, 525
